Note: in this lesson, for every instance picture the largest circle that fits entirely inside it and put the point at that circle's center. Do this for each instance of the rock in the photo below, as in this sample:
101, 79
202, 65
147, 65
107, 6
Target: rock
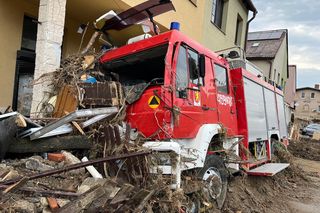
23, 206
62, 202
71, 159
44, 202
34, 163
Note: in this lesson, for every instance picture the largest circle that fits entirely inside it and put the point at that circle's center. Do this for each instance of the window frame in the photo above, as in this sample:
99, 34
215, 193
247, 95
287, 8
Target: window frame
239, 26
216, 14
314, 95
200, 79
303, 95
215, 79
178, 90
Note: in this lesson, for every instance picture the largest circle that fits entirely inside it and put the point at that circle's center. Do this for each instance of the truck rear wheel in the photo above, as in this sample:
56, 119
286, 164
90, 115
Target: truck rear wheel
215, 177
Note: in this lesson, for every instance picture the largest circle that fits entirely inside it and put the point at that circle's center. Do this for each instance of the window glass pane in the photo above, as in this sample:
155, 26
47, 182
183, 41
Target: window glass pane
221, 78
214, 7
193, 59
29, 34
181, 72
302, 95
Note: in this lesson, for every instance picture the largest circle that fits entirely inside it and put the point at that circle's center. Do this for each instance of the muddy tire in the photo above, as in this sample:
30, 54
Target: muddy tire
215, 177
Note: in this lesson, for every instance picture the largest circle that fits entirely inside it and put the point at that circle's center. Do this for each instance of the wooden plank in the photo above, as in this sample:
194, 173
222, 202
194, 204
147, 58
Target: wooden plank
83, 201
67, 100
77, 126
123, 194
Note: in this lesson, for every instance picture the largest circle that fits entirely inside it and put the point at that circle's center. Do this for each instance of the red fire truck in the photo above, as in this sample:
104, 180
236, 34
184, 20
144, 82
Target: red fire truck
190, 103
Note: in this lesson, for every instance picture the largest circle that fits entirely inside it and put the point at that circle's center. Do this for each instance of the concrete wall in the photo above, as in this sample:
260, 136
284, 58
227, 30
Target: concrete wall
263, 65
290, 88
280, 64
189, 15
307, 108
196, 22
11, 22
218, 39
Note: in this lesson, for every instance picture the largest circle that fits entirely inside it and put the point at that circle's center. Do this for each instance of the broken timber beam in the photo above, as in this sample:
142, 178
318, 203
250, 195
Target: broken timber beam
49, 144
77, 166
9, 127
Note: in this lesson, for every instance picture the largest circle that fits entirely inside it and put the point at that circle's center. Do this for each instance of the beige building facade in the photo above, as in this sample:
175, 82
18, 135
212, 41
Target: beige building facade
217, 24
307, 103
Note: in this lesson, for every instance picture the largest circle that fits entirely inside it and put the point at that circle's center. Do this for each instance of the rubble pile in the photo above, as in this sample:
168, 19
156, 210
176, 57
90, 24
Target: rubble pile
106, 168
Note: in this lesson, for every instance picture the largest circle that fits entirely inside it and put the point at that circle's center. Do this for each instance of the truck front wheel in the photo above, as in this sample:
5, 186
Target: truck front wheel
215, 178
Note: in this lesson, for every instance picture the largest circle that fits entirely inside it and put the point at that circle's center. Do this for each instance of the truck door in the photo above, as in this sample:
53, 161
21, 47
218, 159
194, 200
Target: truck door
225, 99
188, 90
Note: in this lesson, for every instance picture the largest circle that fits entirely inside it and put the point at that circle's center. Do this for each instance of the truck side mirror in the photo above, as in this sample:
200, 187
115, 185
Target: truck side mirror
202, 65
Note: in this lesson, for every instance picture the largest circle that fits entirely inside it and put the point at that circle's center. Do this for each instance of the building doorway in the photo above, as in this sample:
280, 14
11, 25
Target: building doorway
25, 65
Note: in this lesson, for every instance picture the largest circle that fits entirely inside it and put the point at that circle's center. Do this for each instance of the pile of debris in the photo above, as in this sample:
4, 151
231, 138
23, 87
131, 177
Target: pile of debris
83, 119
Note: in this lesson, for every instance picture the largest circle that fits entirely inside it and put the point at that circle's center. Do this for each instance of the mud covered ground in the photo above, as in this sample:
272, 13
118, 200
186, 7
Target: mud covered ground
306, 148
295, 189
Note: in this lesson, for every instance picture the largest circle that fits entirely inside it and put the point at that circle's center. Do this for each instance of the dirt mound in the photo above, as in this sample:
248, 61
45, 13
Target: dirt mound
266, 194
307, 149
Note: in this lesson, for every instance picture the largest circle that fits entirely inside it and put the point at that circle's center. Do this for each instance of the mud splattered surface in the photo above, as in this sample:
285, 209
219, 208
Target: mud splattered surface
295, 189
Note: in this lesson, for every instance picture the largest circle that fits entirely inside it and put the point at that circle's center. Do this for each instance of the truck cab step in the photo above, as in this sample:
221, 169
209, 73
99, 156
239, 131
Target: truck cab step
268, 169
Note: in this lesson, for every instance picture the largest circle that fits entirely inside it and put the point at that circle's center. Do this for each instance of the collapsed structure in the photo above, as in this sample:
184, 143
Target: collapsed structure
166, 95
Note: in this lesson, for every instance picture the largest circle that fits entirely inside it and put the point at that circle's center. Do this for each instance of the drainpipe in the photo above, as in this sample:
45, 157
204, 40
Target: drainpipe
247, 30
270, 71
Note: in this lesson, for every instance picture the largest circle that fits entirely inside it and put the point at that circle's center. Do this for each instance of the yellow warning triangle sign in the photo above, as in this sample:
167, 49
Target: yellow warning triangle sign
154, 102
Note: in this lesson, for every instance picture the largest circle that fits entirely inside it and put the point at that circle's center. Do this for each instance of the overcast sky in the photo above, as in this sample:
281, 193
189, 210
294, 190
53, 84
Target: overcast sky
302, 19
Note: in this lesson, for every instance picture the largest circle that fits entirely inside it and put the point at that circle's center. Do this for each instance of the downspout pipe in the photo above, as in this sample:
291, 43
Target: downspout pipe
247, 30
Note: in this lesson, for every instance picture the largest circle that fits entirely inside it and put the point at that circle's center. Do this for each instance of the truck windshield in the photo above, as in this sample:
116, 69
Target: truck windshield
141, 67
137, 71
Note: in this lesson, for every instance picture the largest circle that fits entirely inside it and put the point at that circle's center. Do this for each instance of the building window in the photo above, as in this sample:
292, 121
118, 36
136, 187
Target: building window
29, 34
306, 107
239, 25
303, 95
221, 78
312, 95
319, 108
217, 12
